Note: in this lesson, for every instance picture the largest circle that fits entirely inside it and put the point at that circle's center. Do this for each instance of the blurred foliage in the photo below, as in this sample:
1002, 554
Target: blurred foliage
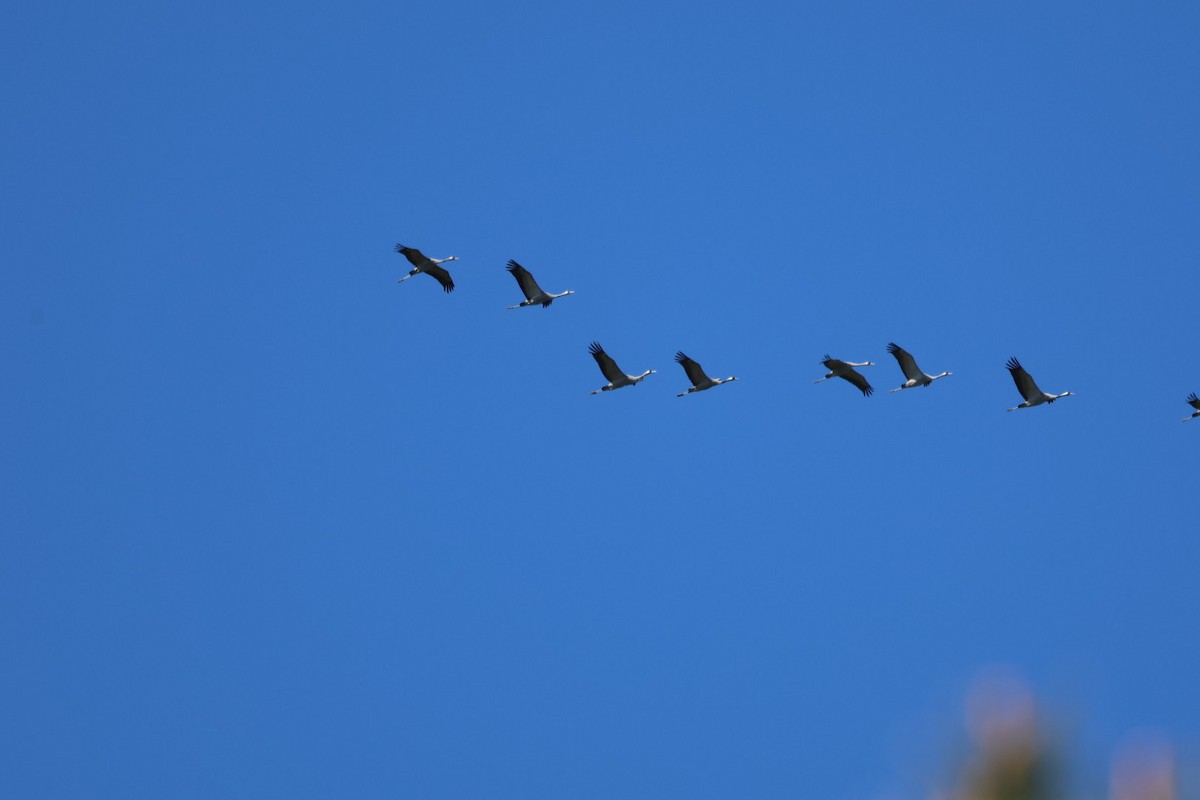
1014, 757
1144, 769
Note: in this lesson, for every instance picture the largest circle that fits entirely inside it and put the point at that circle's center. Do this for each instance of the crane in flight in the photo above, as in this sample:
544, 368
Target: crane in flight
430, 266
533, 293
696, 375
1028, 389
1194, 402
616, 378
845, 369
908, 365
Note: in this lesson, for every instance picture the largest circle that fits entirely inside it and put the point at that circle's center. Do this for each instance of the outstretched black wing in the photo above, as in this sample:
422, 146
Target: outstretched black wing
908, 364
607, 366
1025, 385
694, 372
524, 280
443, 277
855, 377
414, 256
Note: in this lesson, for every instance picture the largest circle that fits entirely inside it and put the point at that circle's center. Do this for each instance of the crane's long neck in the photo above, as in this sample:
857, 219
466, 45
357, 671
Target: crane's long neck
644, 374
443, 260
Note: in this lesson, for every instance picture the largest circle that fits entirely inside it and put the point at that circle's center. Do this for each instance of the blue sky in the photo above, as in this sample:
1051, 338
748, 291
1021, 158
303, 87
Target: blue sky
276, 526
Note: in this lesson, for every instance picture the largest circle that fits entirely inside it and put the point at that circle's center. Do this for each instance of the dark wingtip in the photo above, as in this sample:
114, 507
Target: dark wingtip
892, 347
867, 392
1013, 363
595, 348
400, 248
513, 266
680, 357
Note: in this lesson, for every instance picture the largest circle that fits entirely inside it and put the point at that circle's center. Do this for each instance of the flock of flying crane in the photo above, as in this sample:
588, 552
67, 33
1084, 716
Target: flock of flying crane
618, 379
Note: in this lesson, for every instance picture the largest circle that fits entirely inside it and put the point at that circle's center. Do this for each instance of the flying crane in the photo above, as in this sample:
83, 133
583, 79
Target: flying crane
1194, 402
845, 369
430, 266
908, 365
1028, 389
533, 293
616, 378
696, 375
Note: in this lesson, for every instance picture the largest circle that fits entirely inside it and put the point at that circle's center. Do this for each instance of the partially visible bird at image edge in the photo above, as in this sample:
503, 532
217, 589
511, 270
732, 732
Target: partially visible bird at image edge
1194, 402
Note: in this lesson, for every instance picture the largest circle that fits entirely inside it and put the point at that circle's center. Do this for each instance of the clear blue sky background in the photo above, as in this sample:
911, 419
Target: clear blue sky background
275, 526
